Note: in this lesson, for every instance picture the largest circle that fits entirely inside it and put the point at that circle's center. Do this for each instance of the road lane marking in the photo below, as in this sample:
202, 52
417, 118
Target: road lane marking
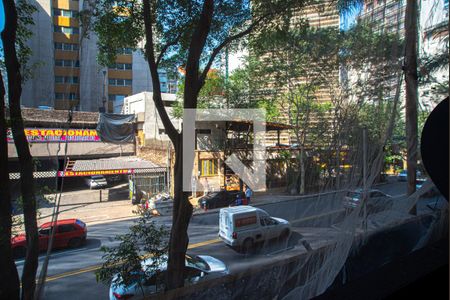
317, 216
97, 267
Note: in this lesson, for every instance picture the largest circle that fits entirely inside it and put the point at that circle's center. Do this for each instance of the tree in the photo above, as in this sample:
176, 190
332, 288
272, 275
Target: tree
189, 34
16, 54
303, 63
411, 79
124, 263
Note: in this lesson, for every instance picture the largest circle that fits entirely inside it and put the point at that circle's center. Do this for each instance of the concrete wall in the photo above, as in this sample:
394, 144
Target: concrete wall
39, 90
91, 76
142, 80
85, 150
153, 125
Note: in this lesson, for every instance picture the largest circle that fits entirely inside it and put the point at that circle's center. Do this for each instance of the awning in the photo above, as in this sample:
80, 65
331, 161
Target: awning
112, 166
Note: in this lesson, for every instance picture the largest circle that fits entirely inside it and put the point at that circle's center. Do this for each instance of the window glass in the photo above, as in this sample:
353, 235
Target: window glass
59, 79
128, 82
45, 231
80, 223
208, 167
196, 262
65, 228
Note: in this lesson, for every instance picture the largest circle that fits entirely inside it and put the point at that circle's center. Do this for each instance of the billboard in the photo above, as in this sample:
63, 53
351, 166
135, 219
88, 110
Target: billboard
55, 135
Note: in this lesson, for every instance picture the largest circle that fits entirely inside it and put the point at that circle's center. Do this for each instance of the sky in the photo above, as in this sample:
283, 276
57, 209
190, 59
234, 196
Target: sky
348, 18
236, 59
2, 22
2, 16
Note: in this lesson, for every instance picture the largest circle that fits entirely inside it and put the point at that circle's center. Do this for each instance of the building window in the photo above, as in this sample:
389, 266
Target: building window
208, 167
66, 47
67, 30
66, 96
203, 131
120, 82
124, 51
116, 97
67, 63
65, 13
120, 66
117, 101
66, 79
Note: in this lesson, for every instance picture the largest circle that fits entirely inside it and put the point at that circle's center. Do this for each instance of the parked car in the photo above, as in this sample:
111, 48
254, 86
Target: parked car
112, 179
69, 233
221, 198
197, 269
403, 175
419, 183
96, 181
377, 200
243, 227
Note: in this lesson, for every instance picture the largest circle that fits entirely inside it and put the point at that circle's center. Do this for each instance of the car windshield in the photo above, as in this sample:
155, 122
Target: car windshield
98, 177
353, 194
196, 262
81, 223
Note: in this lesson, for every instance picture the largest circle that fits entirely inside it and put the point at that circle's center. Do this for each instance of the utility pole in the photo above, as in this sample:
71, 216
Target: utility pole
104, 92
365, 188
411, 78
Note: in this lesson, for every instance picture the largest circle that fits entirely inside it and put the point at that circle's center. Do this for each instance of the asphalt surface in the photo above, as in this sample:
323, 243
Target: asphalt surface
71, 273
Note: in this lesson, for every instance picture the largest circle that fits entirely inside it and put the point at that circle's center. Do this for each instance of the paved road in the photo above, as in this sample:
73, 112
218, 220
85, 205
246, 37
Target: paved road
71, 272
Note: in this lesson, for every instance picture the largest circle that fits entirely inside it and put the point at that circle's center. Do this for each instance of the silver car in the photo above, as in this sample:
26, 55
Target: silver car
197, 268
96, 182
376, 201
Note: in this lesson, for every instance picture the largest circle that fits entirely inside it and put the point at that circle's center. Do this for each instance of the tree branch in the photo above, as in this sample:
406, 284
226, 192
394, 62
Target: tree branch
225, 43
150, 53
164, 49
198, 41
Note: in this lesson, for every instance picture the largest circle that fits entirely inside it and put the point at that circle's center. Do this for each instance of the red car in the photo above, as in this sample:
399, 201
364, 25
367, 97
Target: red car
69, 233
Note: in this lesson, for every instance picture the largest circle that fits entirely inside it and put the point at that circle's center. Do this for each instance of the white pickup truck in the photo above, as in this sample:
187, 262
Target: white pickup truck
242, 227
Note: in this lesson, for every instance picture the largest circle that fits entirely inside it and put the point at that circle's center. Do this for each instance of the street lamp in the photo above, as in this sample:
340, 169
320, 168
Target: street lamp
104, 91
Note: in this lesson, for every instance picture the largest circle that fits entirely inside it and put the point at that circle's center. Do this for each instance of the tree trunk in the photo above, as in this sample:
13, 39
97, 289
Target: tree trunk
302, 169
23, 152
182, 212
9, 278
410, 69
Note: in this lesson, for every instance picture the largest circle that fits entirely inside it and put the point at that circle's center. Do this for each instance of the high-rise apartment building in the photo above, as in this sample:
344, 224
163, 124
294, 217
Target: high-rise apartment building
66, 73
389, 16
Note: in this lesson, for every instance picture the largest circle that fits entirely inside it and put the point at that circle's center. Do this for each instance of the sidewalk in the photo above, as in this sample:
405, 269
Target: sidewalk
93, 213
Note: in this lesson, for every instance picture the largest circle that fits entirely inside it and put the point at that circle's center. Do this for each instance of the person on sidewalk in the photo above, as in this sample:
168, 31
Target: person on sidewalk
238, 200
248, 194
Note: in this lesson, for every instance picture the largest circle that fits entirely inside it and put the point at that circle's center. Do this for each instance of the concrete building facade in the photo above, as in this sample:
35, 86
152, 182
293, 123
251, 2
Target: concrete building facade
389, 16
151, 128
66, 73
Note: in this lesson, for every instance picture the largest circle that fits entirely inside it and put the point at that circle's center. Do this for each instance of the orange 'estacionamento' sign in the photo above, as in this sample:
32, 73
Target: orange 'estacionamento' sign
97, 172
39, 135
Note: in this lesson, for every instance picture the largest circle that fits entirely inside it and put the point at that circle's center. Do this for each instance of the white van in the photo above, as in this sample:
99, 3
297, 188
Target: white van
242, 227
